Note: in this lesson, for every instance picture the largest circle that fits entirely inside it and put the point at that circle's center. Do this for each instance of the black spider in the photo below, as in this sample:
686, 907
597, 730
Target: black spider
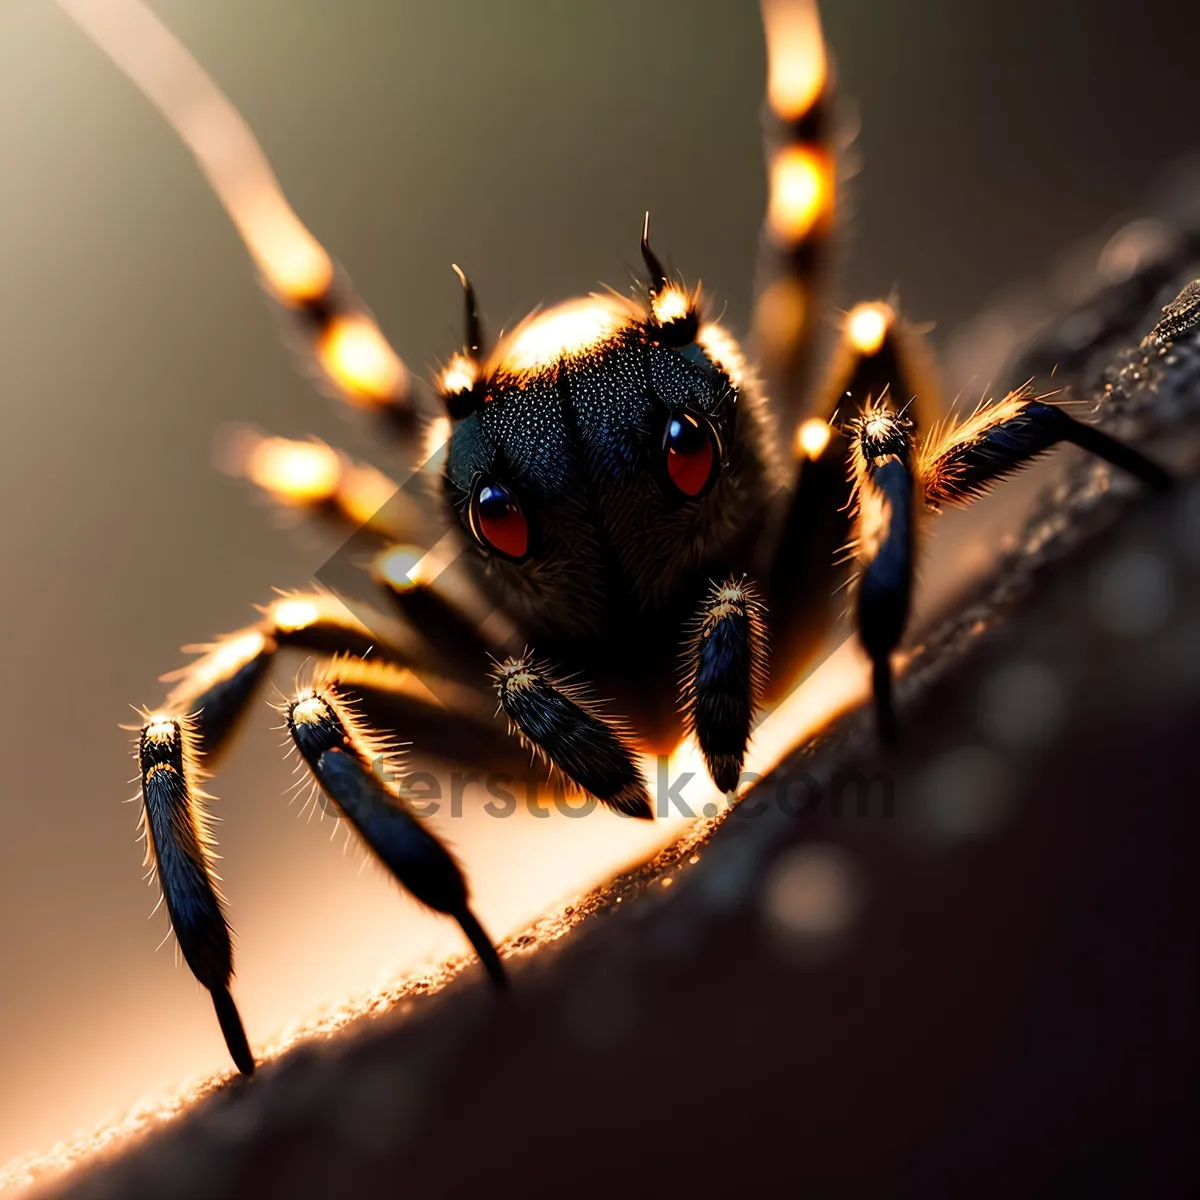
615, 490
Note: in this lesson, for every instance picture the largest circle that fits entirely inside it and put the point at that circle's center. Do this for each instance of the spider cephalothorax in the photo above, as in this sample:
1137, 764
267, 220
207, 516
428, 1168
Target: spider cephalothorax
639, 515
603, 469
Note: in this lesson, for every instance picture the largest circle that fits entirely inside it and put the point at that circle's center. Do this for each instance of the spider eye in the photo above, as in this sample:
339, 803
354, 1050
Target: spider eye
498, 522
690, 453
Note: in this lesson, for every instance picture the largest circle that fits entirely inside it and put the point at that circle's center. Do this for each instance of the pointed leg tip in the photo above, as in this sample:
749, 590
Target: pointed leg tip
501, 983
726, 771
885, 708
885, 724
489, 956
233, 1031
632, 801
496, 973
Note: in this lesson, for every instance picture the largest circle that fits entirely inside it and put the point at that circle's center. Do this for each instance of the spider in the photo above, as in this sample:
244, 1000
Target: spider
607, 504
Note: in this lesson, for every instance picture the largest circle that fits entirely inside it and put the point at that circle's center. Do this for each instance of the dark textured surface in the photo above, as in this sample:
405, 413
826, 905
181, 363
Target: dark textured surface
979, 979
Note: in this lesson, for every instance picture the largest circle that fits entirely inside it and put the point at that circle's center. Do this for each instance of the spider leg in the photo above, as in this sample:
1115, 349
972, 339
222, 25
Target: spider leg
214, 690
333, 326
881, 454
567, 732
451, 722
881, 358
885, 583
197, 720
801, 174
194, 724
344, 758
964, 459
310, 477
725, 670
179, 847
956, 463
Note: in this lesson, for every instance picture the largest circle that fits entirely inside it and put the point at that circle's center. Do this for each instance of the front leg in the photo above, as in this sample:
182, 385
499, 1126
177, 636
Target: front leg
725, 672
955, 463
567, 731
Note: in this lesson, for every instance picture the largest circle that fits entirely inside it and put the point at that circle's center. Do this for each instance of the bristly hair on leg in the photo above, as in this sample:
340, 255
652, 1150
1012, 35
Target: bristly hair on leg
724, 676
961, 460
884, 521
877, 436
181, 849
346, 760
566, 729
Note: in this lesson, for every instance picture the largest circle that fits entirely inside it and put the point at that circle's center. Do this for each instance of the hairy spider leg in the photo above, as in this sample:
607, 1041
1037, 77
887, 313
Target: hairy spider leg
568, 731
312, 479
801, 184
881, 360
955, 462
883, 502
961, 460
724, 676
346, 761
331, 325
179, 847
215, 689
451, 721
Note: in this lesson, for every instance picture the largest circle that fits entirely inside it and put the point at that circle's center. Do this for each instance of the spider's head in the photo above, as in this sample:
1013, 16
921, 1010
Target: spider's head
610, 450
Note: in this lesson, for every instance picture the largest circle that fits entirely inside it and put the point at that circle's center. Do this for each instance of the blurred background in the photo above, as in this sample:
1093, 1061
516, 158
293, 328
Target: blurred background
523, 140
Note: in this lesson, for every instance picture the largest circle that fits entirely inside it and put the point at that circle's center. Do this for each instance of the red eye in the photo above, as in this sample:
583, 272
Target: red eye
498, 522
690, 453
